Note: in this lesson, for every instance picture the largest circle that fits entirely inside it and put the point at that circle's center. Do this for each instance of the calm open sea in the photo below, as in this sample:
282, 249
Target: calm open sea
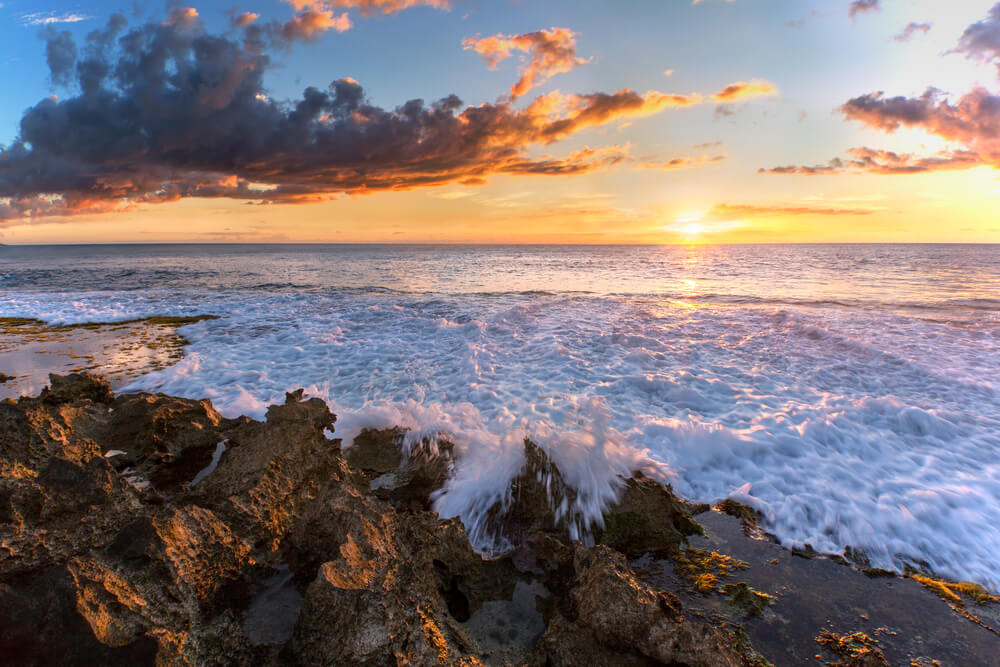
851, 393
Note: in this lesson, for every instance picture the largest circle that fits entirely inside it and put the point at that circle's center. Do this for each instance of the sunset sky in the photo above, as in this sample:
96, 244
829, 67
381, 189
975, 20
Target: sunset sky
659, 121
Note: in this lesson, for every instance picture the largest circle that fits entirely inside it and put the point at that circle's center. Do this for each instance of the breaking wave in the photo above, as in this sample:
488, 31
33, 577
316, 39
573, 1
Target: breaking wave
871, 427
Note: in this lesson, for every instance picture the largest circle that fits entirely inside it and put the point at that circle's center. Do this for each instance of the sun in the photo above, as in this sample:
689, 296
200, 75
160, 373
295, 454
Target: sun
693, 229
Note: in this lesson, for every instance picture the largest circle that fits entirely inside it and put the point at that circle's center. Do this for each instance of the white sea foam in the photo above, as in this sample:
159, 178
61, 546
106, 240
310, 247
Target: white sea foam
844, 426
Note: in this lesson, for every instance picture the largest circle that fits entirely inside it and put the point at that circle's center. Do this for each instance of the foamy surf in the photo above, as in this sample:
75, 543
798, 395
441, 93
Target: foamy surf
876, 428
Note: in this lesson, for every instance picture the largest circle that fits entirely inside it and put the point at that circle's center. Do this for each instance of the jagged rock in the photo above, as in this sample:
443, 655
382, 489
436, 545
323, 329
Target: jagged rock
109, 558
4, 378
533, 501
163, 439
76, 387
376, 451
40, 625
270, 471
64, 509
381, 583
407, 479
647, 517
175, 577
32, 432
613, 610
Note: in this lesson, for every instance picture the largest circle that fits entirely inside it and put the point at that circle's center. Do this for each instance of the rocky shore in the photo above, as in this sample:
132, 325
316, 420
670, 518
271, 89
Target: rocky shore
141, 529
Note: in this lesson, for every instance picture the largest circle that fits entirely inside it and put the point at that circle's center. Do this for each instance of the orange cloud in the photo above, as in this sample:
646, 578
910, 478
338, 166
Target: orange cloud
682, 162
741, 90
870, 160
309, 24
182, 17
214, 132
244, 19
550, 52
752, 211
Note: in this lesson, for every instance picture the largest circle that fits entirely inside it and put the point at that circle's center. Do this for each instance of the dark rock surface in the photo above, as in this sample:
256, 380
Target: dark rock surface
288, 551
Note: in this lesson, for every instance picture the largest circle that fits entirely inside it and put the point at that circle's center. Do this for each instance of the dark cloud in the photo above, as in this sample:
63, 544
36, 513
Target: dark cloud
973, 121
724, 111
167, 111
981, 40
60, 54
863, 6
835, 165
910, 30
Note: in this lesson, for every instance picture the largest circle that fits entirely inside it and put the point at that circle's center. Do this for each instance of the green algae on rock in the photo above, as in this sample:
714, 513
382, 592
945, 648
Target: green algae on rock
856, 649
740, 595
702, 569
121, 351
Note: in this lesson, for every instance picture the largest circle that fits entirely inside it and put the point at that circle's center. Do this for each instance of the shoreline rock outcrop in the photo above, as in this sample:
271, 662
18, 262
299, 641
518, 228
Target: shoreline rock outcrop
143, 528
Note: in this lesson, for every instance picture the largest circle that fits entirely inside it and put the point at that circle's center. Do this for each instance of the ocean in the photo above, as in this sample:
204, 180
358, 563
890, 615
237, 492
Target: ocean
848, 392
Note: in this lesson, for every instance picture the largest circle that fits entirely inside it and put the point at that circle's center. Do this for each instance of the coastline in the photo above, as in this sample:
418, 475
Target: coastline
289, 521
121, 351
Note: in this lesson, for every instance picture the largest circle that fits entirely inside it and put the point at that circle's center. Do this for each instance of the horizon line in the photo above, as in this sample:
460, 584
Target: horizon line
488, 243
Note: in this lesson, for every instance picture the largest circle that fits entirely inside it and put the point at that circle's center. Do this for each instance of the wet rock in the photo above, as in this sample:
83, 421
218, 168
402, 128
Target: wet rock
376, 451
4, 378
506, 630
532, 504
407, 479
288, 552
608, 614
740, 595
567, 644
76, 387
271, 616
647, 517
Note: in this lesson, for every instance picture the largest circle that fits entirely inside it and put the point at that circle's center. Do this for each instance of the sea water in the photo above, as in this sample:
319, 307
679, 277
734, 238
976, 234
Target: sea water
849, 393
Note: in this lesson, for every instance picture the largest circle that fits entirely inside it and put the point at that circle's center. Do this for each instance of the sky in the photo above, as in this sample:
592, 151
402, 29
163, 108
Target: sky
503, 121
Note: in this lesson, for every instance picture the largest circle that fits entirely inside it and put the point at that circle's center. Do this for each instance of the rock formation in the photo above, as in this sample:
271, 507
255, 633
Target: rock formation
141, 529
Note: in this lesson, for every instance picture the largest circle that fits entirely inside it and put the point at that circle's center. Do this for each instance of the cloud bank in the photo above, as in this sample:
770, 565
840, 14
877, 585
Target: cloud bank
981, 40
971, 122
167, 111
